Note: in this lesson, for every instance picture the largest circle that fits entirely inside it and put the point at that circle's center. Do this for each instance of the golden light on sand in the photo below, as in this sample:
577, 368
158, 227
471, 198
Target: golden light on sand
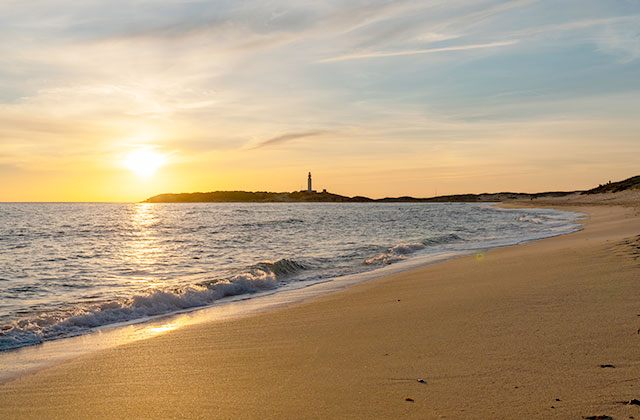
144, 162
161, 329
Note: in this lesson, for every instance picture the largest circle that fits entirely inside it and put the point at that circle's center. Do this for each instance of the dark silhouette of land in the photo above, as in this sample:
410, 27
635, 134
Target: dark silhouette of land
614, 187
327, 197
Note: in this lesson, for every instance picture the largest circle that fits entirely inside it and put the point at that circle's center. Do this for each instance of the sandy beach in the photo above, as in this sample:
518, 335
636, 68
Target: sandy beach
517, 332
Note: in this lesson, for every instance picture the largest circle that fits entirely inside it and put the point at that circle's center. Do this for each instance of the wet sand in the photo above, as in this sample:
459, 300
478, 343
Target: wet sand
517, 332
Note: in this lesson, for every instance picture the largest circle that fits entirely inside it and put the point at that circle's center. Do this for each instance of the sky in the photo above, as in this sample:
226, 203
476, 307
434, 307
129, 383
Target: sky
376, 98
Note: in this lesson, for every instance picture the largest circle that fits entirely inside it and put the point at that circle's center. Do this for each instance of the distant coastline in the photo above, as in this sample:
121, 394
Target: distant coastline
327, 197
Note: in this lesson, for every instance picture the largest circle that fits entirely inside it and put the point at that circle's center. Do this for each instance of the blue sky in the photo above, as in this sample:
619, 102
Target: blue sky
376, 97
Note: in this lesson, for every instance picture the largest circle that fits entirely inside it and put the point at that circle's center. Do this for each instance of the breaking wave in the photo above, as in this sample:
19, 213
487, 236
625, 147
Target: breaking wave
53, 325
538, 220
400, 251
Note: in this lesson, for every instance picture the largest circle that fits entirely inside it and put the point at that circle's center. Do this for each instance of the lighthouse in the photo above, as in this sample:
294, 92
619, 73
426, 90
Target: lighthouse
309, 187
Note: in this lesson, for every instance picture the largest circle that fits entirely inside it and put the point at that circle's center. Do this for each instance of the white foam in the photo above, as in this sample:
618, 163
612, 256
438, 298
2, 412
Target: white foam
48, 326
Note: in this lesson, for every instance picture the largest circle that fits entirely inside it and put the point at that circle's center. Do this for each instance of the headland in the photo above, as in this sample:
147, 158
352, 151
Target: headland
311, 196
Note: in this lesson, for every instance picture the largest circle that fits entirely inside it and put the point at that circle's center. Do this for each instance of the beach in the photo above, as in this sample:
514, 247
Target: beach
360, 209
546, 329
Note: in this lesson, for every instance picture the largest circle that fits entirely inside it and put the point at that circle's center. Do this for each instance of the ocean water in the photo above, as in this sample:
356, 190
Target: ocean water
67, 269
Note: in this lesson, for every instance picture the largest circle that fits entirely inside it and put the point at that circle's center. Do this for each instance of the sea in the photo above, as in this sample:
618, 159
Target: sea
68, 269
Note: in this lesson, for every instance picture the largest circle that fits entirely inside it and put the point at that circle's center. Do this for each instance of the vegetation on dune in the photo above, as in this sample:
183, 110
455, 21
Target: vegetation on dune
632, 183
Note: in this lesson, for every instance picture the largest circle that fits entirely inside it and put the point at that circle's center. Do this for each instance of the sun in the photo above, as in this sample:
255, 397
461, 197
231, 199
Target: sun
144, 162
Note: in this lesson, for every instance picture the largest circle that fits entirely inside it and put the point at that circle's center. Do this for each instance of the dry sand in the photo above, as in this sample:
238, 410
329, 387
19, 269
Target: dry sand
629, 198
518, 332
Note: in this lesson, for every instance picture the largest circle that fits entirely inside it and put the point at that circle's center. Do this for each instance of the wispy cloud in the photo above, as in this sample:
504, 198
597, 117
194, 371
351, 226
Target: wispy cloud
622, 41
382, 54
575, 25
287, 137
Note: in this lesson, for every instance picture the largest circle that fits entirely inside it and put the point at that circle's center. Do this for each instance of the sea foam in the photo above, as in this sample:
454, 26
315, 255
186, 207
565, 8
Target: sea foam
46, 326
400, 251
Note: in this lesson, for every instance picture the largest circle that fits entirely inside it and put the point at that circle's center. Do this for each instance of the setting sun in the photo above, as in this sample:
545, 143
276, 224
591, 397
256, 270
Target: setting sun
144, 162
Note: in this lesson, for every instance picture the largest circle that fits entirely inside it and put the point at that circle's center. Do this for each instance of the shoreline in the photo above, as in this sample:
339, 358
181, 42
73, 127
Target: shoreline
29, 359
365, 332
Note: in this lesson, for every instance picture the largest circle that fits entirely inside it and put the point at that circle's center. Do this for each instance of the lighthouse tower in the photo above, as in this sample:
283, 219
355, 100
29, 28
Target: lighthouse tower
309, 188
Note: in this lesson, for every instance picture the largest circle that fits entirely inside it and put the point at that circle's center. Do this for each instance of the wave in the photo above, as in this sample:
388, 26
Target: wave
53, 325
443, 239
277, 222
400, 251
538, 220
281, 268
394, 254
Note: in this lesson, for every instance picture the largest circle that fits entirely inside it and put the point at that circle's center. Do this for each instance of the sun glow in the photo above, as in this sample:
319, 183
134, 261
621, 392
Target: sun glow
144, 162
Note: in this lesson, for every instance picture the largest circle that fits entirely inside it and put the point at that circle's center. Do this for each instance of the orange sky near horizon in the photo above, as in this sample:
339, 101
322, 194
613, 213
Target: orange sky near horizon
118, 184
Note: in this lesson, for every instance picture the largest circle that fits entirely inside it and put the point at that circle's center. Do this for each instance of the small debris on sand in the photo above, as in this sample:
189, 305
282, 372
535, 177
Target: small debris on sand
607, 366
634, 402
600, 417
557, 399
409, 399
422, 381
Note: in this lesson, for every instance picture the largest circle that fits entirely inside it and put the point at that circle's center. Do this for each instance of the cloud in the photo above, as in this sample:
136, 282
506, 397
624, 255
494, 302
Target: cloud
622, 41
382, 54
287, 137
576, 25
